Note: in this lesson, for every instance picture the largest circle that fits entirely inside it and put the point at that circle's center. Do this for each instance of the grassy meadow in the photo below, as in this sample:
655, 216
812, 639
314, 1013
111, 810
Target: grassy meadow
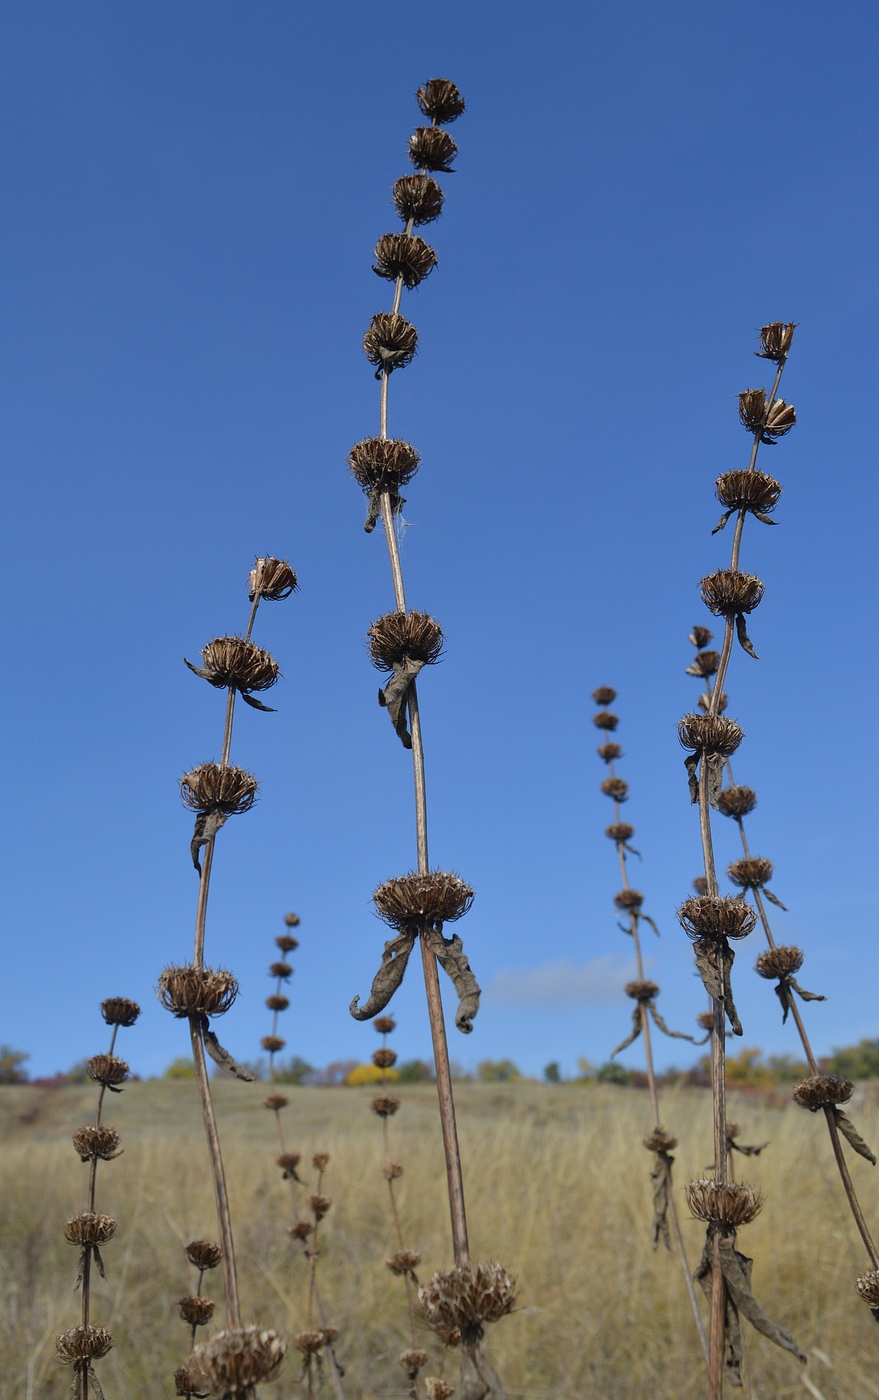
558, 1190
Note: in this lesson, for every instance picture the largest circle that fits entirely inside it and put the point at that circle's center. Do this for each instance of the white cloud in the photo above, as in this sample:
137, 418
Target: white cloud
562, 983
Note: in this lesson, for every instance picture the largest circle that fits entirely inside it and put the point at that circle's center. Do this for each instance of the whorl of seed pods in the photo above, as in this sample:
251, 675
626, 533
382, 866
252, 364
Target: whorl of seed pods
197, 1311
704, 663
384, 1025
93, 1142
288, 1162
417, 198
320, 1205
215, 787
84, 1343
750, 873
744, 490
729, 591
439, 897
391, 341
392, 1171
617, 788
292, 921
700, 637
778, 962
641, 990
605, 720
280, 969
868, 1287
320, 1161
238, 664
731, 1203
716, 917
604, 695
196, 991
609, 751
239, 1358
399, 637
403, 1262
275, 1101
758, 416
107, 1070
440, 100
119, 1011
823, 1091
775, 341
438, 1389
203, 1254
301, 1230
89, 1227
271, 579
658, 1141
619, 831
383, 463
432, 149
628, 899
705, 1019
277, 1002
384, 1059
188, 1380
466, 1298
736, 801
709, 734
384, 1105
700, 885
272, 1043
412, 1359
403, 255
309, 1342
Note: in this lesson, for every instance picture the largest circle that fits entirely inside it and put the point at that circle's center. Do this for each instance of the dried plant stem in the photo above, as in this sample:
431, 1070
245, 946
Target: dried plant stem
224, 1218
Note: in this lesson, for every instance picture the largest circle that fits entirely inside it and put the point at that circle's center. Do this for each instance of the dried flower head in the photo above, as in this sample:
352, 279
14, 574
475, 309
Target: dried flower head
399, 637
750, 873
736, 801
775, 341
101, 1141
700, 637
628, 899
384, 1025
107, 1070
728, 1203
203, 1254
403, 255
196, 991
320, 1161
236, 1360
385, 1106
868, 1287
783, 961
188, 1380
309, 1343
280, 969
119, 1011
275, 1102
272, 1043
617, 788
744, 490
465, 1298
392, 1171
704, 702
704, 663
319, 1205
277, 1003
301, 1230
403, 1262
384, 1059
700, 884
214, 787
89, 1228
730, 591
659, 1141
604, 695
716, 916
709, 734
771, 421
705, 1019
271, 579
440, 897
288, 1162
292, 921
197, 1311
385, 464
330, 1335
609, 751
237, 664
85, 1343
605, 720
641, 990
391, 341
440, 100
419, 198
412, 1360
823, 1091
437, 1388
619, 831
432, 149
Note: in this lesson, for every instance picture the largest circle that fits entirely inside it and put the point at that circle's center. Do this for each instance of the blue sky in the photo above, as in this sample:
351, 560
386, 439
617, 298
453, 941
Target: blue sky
192, 193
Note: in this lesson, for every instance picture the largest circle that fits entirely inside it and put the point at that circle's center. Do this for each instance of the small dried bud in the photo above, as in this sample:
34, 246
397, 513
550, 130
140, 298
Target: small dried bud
437, 1388
706, 1020
197, 1311
403, 1262
604, 695
96, 1142
288, 1162
292, 920
403, 255
609, 751
730, 591
275, 1102
107, 1070
392, 1171
236, 1360
700, 637
605, 720
709, 734
775, 341
203, 1254
84, 1343
196, 991
320, 1161
419, 198
119, 1011
659, 1141
868, 1287
271, 579
750, 873
89, 1228
783, 961
188, 1380
301, 1230
716, 916
704, 663
384, 1025
439, 897
309, 1343
330, 1335
286, 943
385, 1106
641, 990
731, 1203
432, 149
736, 801
399, 637
823, 1091
383, 1059
236, 664
412, 1360
617, 788
272, 1043
280, 969
383, 463
218, 788
391, 341
319, 1205
628, 899
744, 490
440, 100
465, 1298
700, 884
619, 831
277, 1003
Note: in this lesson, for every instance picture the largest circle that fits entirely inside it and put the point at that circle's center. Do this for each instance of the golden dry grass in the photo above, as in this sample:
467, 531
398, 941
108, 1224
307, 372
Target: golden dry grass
558, 1190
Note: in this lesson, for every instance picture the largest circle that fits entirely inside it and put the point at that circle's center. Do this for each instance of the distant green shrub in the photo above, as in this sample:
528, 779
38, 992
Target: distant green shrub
181, 1068
497, 1071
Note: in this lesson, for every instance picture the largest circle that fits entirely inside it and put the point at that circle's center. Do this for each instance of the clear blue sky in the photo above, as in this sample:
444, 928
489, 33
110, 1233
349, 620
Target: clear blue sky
192, 193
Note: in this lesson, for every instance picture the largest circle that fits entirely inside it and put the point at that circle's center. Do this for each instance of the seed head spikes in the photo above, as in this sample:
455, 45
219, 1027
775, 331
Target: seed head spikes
403, 255
390, 343
736, 801
775, 341
728, 1203
120, 1011
467, 1298
236, 1360
432, 149
751, 491
417, 199
440, 100
271, 579
766, 421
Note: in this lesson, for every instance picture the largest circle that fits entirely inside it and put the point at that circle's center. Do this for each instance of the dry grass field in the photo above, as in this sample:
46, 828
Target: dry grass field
558, 1190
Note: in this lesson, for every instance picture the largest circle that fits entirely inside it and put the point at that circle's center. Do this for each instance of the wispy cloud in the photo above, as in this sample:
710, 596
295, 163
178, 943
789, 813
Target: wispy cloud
562, 983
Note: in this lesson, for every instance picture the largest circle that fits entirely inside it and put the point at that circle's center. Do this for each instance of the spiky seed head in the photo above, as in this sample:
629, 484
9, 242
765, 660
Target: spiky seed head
391, 341
320, 1161
272, 1043
101, 1141
392, 1171
403, 255
412, 1360
736, 801
728, 1203
107, 1069
215, 787
271, 579
704, 663
89, 1228
286, 942
705, 1019
641, 990
384, 1059
280, 969
437, 1388
232, 662
716, 917
288, 1162
239, 1358
752, 409
619, 831
309, 1343
743, 490
85, 1343
467, 1297
432, 149
277, 1003
188, 1380
440, 100
419, 198
609, 751
319, 1205
700, 884
605, 720
385, 1106
730, 591
700, 637
659, 1141
196, 991
628, 899
387, 463
783, 961
779, 420
384, 1025
119, 1011
604, 696
750, 873
617, 788
403, 1262
203, 1254
301, 1230
399, 637
775, 340
197, 1311
275, 1102
709, 734
823, 1091
868, 1287
439, 897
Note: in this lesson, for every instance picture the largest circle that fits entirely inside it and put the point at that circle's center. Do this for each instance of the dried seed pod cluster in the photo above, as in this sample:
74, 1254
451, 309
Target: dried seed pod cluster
236, 1360
467, 1298
429, 900
726, 1203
